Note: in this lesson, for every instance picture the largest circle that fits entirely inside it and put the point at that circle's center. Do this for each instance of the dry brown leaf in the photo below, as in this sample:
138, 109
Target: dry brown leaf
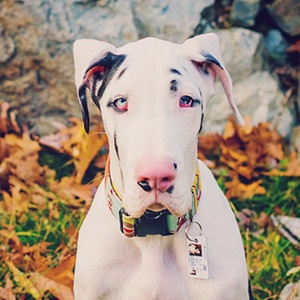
45, 284
247, 129
70, 191
81, 147
263, 220
7, 293
89, 147
54, 141
230, 129
63, 273
21, 279
11, 237
294, 47
8, 120
236, 189
22, 146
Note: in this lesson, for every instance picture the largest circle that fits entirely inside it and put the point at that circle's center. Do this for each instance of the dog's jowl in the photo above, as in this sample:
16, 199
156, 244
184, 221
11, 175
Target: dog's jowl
159, 226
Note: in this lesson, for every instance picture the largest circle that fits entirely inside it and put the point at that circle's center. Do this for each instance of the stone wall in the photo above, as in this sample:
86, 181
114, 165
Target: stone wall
36, 37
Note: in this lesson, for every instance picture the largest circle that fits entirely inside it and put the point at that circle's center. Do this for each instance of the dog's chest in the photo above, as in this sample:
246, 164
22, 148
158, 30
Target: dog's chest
152, 268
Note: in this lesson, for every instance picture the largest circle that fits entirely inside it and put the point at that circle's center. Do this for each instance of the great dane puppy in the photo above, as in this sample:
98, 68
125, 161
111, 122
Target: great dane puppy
159, 226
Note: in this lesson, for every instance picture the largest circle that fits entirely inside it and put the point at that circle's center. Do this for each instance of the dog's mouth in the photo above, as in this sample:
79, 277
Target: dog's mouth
156, 207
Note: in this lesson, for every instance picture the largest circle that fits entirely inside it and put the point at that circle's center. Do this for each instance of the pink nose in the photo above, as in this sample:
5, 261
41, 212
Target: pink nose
156, 174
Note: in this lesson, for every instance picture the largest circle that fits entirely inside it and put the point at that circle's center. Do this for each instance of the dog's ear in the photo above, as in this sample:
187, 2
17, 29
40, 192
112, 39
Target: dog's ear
93, 62
206, 49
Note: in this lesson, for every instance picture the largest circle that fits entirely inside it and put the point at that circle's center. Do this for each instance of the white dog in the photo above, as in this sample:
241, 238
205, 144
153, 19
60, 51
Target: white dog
156, 199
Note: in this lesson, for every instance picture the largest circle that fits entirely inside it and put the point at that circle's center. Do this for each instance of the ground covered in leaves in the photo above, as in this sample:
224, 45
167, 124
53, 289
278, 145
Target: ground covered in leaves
47, 185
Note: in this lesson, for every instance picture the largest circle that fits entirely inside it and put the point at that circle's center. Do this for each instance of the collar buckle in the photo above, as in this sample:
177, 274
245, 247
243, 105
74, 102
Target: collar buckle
150, 223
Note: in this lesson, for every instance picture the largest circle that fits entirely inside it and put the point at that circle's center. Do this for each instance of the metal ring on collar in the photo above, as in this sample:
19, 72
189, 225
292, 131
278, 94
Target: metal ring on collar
186, 231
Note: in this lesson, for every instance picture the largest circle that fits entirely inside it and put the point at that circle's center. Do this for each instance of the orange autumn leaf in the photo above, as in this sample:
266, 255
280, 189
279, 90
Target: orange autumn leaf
89, 147
69, 190
230, 129
247, 129
11, 236
8, 121
63, 273
249, 151
22, 146
81, 147
236, 189
294, 47
45, 284
6, 292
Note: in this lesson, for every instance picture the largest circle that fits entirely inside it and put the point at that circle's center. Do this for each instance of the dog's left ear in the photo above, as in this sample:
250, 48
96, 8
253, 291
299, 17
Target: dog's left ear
93, 62
206, 49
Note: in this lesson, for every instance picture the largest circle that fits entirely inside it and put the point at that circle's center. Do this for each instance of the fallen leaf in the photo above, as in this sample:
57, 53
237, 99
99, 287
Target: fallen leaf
230, 129
63, 273
23, 281
45, 284
7, 293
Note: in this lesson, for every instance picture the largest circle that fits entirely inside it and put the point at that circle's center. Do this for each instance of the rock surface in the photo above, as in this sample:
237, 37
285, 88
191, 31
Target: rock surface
256, 95
244, 12
285, 14
36, 65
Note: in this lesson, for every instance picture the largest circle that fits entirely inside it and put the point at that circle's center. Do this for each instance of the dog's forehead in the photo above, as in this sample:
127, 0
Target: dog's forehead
151, 47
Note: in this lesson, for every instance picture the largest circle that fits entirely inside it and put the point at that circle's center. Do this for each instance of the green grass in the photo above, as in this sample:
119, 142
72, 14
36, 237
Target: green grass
269, 255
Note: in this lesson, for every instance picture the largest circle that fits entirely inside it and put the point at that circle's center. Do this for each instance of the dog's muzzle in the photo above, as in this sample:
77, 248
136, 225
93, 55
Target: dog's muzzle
151, 222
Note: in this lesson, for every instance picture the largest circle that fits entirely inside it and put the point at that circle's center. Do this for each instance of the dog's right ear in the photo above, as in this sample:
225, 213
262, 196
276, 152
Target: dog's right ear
206, 48
93, 60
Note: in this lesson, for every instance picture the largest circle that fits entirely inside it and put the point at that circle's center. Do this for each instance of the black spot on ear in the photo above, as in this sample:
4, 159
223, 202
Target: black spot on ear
204, 69
84, 107
114, 62
100, 72
211, 59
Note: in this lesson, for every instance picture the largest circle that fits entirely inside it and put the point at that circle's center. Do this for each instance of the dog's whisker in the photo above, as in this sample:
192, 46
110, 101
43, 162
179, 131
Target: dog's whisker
94, 179
91, 134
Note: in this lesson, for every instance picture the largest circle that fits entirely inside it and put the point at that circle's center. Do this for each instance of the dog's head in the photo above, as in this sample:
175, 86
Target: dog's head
152, 95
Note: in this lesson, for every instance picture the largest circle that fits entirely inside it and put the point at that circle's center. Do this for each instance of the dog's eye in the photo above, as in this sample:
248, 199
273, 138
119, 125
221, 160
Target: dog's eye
120, 104
186, 101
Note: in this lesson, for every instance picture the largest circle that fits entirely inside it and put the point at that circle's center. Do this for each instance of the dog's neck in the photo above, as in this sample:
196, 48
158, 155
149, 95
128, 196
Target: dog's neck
151, 223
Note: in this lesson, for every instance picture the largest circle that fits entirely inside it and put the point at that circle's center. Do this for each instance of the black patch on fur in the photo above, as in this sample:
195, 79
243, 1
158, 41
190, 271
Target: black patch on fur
175, 71
205, 69
84, 107
202, 116
170, 189
211, 59
122, 73
114, 62
116, 145
174, 85
102, 70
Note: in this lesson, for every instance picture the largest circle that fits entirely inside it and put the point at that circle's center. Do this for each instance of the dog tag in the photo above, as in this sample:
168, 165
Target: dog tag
197, 258
197, 254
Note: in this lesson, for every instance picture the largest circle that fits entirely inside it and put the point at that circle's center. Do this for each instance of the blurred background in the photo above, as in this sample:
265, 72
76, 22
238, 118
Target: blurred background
259, 40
